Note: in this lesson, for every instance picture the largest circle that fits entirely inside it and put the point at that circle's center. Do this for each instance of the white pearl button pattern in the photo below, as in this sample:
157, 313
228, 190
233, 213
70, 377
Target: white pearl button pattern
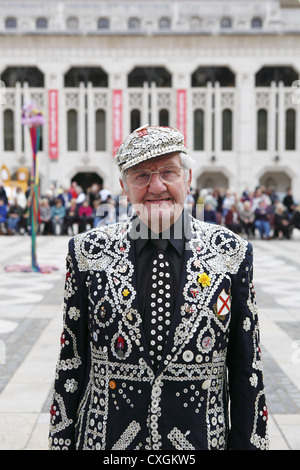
157, 317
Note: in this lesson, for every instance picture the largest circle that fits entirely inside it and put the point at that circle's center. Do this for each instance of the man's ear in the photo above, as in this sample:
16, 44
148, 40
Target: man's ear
189, 181
122, 185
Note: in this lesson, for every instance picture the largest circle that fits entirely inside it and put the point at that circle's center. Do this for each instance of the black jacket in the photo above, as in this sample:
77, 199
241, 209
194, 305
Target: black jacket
106, 400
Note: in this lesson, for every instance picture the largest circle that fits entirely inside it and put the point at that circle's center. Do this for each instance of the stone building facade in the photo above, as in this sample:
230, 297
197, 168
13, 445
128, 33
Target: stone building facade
226, 73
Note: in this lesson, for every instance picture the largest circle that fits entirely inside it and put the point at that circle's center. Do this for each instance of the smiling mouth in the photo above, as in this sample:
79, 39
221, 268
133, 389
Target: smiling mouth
159, 200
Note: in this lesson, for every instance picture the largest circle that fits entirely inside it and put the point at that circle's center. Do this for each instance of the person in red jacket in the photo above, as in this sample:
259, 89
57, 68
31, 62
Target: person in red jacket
85, 216
232, 220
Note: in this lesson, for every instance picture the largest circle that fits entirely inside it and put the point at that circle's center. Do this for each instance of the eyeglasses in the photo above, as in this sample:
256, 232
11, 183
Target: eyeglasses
167, 174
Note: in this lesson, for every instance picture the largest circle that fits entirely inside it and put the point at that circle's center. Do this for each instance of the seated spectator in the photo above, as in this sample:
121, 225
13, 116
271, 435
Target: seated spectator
25, 221
262, 220
104, 194
58, 213
295, 220
96, 217
218, 194
209, 214
15, 212
85, 216
20, 198
229, 200
73, 190
288, 202
106, 212
71, 217
3, 216
282, 227
65, 196
259, 196
232, 220
92, 193
247, 219
81, 196
3, 194
45, 217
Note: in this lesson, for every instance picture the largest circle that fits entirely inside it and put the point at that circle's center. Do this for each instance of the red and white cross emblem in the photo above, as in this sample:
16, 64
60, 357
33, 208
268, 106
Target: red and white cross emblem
223, 303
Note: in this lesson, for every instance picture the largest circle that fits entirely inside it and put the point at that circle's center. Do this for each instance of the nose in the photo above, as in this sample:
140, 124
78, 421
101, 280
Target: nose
156, 185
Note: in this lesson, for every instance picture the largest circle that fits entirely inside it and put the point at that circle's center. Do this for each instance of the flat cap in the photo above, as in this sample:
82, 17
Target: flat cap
148, 142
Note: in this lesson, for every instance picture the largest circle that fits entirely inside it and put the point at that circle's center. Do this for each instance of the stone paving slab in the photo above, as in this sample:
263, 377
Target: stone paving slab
31, 321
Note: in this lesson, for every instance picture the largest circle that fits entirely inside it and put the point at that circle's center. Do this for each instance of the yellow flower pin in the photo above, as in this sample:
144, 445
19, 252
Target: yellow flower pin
125, 292
204, 279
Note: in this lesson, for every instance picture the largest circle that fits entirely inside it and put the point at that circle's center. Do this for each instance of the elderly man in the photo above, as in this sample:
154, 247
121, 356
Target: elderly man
160, 346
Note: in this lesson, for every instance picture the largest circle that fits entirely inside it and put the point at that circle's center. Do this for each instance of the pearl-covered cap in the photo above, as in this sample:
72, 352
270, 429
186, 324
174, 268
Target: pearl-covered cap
148, 142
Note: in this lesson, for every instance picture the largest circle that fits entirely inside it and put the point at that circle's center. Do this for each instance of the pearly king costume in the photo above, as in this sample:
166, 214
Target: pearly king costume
207, 391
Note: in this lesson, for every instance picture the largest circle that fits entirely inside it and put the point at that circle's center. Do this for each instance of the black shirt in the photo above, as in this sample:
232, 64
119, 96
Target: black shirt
144, 252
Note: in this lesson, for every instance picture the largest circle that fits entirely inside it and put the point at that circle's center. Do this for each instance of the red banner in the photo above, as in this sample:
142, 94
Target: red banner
181, 112
53, 124
117, 119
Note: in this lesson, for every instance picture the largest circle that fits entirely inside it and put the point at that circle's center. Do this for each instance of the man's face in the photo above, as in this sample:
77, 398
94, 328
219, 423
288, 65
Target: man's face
159, 203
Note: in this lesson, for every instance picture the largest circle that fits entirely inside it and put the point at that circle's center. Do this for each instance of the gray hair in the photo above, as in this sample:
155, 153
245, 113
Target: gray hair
187, 163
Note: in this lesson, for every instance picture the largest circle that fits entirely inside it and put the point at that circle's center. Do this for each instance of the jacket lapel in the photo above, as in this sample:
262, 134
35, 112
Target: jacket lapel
122, 279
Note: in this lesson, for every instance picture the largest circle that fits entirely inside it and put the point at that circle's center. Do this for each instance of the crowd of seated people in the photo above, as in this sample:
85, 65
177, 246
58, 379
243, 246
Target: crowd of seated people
262, 213
258, 214
63, 212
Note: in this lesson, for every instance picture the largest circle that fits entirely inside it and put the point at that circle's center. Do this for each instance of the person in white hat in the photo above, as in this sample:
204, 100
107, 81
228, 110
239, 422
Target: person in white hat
160, 344
155, 174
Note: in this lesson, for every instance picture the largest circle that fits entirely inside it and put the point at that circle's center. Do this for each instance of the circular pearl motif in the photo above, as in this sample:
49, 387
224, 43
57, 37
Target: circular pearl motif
188, 356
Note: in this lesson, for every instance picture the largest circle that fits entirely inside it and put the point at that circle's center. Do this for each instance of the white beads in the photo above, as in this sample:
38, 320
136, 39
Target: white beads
159, 318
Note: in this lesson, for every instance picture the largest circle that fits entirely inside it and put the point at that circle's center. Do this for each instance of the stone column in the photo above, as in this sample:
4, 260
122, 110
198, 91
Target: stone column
244, 123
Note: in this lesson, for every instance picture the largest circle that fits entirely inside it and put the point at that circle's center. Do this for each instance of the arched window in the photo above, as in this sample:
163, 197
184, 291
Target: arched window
225, 22
256, 22
10, 23
72, 23
31, 75
199, 129
227, 129
290, 129
135, 119
9, 143
103, 23
134, 23
100, 130
195, 23
203, 75
72, 131
266, 75
164, 117
164, 23
159, 75
41, 23
95, 75
262, 129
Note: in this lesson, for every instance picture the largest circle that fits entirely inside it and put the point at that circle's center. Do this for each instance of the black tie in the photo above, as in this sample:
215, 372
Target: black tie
159, 301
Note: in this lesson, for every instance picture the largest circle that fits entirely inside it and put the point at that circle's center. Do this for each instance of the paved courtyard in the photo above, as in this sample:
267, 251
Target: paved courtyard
30, 327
